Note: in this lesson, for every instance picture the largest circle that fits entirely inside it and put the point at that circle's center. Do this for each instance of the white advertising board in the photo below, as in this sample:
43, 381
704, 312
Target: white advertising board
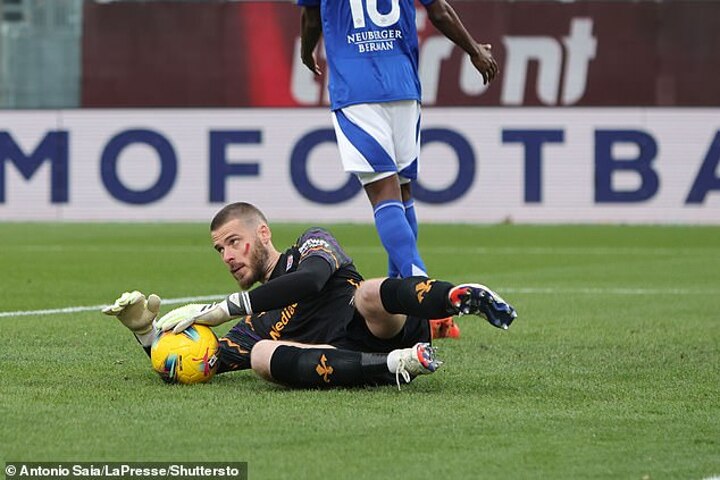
545, 165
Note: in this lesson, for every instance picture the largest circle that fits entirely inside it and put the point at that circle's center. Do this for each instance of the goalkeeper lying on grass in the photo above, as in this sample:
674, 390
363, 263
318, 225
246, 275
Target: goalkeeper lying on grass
313, 303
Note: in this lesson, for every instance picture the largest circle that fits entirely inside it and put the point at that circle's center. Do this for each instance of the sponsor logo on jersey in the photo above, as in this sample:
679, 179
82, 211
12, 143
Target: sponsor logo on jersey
313, 243
374, 40
285, 316
289, 263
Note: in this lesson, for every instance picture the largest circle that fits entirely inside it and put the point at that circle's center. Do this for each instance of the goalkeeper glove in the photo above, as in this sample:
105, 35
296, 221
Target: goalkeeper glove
135, 311
214, 314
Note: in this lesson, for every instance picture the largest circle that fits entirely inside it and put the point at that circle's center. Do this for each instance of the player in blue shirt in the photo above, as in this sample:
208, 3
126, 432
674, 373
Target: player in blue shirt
371, 48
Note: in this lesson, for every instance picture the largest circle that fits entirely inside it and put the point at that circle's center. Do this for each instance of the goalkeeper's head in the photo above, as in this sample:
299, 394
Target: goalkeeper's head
241, 235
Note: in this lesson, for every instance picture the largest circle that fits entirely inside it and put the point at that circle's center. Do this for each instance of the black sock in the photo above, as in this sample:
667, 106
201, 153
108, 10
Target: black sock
328, 367
417, 296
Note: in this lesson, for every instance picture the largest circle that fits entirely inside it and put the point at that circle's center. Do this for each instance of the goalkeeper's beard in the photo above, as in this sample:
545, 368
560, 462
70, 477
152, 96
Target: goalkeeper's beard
256, 265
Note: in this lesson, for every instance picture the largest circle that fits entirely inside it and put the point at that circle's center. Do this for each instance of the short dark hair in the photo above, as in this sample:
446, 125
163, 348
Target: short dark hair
244, 211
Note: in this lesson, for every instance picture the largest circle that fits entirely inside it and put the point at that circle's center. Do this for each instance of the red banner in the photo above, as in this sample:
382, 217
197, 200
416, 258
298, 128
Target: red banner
230, 54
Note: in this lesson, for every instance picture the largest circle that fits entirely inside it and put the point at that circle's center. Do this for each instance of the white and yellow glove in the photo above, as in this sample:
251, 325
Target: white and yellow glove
135, 311
213, 314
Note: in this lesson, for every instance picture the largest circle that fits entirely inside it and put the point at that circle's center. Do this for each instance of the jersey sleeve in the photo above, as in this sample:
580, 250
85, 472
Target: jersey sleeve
424, 2
318, 242
308, 3
308, 279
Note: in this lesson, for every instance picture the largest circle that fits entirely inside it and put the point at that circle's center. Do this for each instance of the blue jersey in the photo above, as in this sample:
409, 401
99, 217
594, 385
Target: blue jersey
371, 49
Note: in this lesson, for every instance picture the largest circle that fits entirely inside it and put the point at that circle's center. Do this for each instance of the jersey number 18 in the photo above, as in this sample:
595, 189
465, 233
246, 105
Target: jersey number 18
358, 13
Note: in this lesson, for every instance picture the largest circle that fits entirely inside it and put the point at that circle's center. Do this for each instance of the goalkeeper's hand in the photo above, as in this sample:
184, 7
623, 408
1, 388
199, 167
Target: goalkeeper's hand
212, 314
135, 311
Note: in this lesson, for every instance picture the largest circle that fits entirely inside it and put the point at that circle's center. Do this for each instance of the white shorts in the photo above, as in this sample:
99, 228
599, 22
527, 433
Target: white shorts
377, 140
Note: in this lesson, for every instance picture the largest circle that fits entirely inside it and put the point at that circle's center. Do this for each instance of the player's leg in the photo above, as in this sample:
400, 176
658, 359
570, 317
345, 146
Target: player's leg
410, 215
322, 366
407, 119
365, 139
380, 322
393, 229
476, 299
441, 327
384, 303
409, 204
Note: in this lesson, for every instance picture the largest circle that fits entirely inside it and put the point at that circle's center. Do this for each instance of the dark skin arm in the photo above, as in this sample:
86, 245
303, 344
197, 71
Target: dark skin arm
311, 32
446, 20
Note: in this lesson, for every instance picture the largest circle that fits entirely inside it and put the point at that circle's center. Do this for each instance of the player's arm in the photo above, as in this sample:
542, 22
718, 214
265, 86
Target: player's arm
446, 20
311, 31
310, 277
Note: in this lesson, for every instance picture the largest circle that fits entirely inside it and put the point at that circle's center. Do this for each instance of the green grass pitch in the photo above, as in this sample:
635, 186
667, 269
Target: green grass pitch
612, 369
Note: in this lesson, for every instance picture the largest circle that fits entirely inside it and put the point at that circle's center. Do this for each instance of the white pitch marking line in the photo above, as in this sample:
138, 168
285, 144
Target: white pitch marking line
604, 251
508, 290
90, 308
365, 249
606, 291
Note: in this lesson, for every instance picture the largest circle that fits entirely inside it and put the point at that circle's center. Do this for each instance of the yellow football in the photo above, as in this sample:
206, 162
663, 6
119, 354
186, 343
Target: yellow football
187, 357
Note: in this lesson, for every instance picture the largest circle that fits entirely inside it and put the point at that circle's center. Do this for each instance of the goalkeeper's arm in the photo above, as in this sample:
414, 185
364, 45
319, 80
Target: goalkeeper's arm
310, 278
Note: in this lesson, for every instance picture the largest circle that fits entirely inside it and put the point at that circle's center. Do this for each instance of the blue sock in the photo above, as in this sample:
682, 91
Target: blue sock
398, 239
393, 271
411, 217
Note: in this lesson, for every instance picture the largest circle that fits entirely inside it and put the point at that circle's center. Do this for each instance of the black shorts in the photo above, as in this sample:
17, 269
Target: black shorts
234, 348
359, 338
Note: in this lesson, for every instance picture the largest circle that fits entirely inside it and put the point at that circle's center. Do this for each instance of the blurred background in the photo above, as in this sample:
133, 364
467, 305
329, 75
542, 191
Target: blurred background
604, 111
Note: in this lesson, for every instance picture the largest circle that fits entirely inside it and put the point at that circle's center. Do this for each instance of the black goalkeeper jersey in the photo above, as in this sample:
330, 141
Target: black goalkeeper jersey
321, 317
317, 264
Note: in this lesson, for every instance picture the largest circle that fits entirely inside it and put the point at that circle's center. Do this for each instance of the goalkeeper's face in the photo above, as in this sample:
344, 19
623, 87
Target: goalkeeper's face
256, 266
243, 251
